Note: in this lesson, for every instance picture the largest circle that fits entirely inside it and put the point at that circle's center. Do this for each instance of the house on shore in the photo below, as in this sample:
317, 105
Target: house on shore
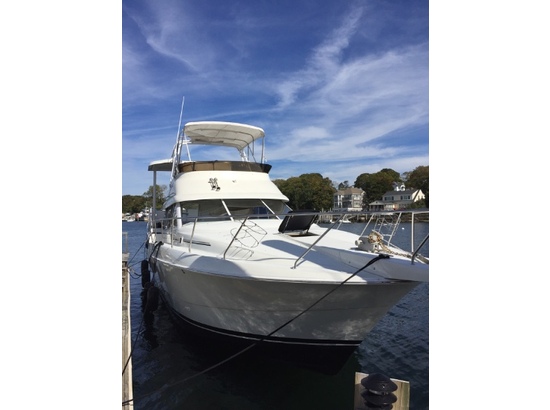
399, 198
351, 199
348, 200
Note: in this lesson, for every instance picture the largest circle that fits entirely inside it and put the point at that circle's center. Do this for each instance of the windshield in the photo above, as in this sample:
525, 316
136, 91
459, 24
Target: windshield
236, 207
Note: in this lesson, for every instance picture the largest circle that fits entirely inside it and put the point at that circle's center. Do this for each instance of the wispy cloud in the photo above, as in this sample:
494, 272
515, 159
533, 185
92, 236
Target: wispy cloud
340, 90
324, 62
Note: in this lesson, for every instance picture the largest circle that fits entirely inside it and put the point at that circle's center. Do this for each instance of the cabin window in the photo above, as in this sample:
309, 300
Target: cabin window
254, 207
167, 221
237, 208
245, 207
277, 206
205, 208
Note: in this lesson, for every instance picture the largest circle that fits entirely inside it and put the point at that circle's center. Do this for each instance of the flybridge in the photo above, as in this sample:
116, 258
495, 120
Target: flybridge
239, 136
227, 134
242, 137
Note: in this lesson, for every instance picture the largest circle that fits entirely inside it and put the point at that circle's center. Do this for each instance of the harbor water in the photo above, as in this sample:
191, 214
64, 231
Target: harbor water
170, 370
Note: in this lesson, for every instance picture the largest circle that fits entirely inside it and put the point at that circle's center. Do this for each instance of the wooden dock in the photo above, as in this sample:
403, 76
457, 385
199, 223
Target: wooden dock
127, 391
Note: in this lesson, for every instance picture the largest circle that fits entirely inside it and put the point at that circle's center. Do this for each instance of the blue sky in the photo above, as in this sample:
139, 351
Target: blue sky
340, 87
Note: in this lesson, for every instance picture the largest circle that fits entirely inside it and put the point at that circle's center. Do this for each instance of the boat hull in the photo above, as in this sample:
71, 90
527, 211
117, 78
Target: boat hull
218, 346
301, 321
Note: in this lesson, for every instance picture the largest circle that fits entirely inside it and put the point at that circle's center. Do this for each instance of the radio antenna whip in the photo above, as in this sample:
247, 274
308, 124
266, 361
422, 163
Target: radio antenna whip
179, 127
177, 148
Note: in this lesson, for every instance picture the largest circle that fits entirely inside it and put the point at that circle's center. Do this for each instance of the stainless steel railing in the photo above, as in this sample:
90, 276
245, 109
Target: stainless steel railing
390, 220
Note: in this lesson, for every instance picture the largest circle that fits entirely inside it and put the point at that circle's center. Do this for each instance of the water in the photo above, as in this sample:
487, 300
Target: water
163, 355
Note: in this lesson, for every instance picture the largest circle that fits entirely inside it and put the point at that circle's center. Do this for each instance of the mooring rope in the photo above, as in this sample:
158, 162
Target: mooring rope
376, 238
145, 312
131, 267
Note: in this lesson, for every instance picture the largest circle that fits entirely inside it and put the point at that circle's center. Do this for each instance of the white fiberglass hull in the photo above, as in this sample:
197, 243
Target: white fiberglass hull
237, 302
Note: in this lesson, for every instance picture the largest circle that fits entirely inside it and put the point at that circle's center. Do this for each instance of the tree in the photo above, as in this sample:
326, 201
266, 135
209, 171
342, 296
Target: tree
376, 185
148, 195
361, 181
394, 174
137, 203
343, 185
133, 203
419, 178
308, 191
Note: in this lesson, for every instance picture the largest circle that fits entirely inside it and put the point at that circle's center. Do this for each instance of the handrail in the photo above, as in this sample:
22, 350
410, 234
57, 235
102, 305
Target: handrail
318, 239
396, 225
172, 231
369, 218
367, 223
192, 233
412, 232
235, 236
413, 257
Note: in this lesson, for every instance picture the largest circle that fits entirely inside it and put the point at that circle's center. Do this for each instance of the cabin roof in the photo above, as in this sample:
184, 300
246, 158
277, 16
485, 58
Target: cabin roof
161, 165
229, 134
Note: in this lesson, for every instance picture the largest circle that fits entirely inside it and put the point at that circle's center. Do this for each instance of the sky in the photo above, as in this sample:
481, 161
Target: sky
339, 87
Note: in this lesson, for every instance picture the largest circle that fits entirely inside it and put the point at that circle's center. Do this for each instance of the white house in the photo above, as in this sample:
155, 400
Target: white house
348, 200
399, 198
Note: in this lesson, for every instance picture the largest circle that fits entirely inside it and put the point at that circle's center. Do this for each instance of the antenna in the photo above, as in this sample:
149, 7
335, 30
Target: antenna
177, 148
181, 114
